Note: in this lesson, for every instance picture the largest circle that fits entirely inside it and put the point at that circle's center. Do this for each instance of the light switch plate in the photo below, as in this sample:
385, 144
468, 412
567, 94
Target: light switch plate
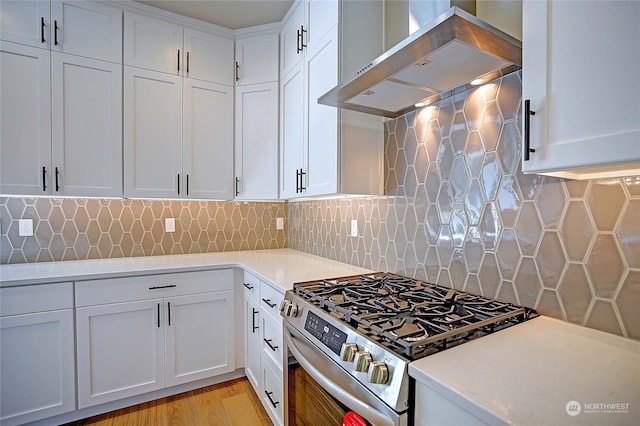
354, 227
25, 227
169, 224
279, 223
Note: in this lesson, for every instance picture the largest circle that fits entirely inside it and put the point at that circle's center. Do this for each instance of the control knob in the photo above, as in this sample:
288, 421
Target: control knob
288, 308
348, 351
361, 361
378, 373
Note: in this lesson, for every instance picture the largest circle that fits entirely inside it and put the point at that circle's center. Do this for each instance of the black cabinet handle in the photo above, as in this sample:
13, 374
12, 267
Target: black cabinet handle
268, 342
156, 287
254, 327
298, 48
178, 183
44, 178
187, 180
178, 60
55, 32
248, 286
268, 302
169, 312
57, 180
302, 187
42, 27
187, 62
298, 181
527, 129
158, 315
302, 31
237, 71
274, 403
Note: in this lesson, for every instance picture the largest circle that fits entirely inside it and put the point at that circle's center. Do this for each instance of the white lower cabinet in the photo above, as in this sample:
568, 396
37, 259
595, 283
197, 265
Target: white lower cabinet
146, 343
37, 362
263, 344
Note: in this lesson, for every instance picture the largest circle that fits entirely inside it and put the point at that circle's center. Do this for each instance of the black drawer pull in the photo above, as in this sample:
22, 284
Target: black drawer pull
268, 342
268, 302
248, 286
156, 287
274, 403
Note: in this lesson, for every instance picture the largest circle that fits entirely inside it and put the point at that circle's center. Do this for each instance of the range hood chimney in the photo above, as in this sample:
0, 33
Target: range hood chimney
438, 60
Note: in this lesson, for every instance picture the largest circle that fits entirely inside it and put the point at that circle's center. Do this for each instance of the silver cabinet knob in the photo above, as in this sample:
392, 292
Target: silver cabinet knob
378, 373
361, 361
348, 351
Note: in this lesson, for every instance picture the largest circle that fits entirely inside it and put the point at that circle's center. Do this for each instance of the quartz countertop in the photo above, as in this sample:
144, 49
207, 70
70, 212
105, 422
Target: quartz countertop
532, 373
280, 267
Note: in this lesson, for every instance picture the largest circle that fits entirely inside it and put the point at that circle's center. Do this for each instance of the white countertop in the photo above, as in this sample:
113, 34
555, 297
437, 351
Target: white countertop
527, 375
280, 267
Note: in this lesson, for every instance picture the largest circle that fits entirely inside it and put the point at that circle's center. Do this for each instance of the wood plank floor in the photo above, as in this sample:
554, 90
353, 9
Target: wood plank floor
232, 403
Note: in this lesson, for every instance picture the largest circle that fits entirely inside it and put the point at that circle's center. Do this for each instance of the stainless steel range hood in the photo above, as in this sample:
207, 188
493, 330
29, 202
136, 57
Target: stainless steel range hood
435, 62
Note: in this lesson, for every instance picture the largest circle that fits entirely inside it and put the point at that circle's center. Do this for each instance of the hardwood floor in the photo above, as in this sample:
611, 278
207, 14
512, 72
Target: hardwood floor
232, 403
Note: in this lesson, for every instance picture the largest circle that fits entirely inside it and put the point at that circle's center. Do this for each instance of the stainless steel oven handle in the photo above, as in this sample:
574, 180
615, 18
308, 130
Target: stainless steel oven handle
297, 347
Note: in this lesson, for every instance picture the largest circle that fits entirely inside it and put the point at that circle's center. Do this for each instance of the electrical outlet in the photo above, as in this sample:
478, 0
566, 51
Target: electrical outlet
354, 227
279, 223
25, 227
169, 224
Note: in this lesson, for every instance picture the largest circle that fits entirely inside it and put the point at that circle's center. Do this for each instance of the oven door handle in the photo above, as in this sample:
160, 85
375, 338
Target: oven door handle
298, 347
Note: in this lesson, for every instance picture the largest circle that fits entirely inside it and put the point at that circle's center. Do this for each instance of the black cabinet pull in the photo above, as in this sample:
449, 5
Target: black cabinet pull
178, 60
42, 27
57, 180
274, 403
527, 129
187, 62
297, 181
169, 312
237, 71
298, 48
302, 187
268, 302
248, 286
268, 342
44, 178
178, 183
187, 180
237, 183
302, 31
55, 32
156, 287
254, 327
158, 315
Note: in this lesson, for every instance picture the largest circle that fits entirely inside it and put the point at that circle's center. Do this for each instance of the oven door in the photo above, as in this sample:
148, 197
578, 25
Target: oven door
320, 392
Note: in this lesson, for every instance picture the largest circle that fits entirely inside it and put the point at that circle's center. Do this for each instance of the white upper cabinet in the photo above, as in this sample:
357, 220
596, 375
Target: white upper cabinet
291, 45
25, 22
257, 59
292, 152
580, 78
167, 47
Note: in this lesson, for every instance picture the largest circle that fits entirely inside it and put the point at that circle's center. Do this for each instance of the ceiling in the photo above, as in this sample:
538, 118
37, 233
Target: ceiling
232, 14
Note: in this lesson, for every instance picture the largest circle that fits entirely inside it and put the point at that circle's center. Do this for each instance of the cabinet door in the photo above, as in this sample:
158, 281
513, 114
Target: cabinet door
253, 341
208, 57
25, 120
86, 126
322, 130
37, 366
152, 133
120, 350
152, 44
25, 22
257, 59
292, 128
273, 394
322, 17
200, 341
291, 49
587, 113
88, 29
208, 140
257, 141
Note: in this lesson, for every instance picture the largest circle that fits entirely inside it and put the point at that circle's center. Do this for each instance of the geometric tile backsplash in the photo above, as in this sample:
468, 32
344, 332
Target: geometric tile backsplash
458, 211
77, 229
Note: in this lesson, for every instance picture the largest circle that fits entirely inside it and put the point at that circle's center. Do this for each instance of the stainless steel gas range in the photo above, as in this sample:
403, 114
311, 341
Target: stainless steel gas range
350, 341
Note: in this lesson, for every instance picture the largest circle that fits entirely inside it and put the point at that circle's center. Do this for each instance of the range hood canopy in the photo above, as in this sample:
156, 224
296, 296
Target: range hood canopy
435, 62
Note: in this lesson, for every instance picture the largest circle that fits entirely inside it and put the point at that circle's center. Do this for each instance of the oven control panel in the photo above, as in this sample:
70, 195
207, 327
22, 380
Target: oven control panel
330, 336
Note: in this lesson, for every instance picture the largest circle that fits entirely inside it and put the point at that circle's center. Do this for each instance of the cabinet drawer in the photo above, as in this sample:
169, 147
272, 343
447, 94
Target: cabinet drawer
35, 298
273, 395
114, 290
272, 340
251, 285
270, 299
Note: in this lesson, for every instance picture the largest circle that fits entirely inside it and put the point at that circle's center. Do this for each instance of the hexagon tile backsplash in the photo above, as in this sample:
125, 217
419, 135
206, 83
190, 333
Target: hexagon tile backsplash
459, 212
76, 228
